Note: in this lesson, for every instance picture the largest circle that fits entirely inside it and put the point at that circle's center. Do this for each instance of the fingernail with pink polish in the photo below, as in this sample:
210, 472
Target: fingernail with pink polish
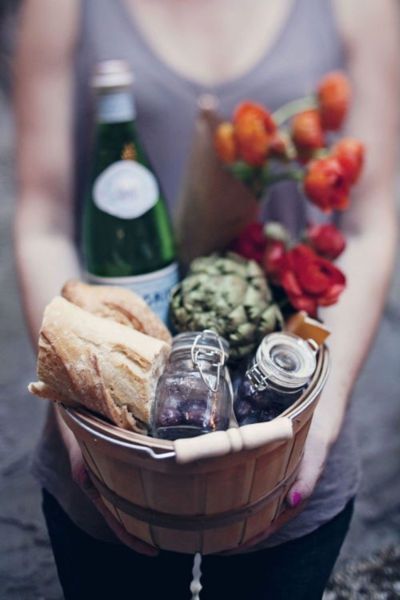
295, 499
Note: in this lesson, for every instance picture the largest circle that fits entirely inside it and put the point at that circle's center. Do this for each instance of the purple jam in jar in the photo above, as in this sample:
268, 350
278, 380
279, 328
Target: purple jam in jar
276, 377
194, 394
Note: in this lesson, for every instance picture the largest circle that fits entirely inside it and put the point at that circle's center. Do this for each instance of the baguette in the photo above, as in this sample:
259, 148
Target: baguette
118, 304
94, 362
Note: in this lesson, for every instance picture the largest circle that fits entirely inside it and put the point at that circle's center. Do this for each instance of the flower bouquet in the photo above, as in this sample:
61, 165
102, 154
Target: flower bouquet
258, 149
234, 164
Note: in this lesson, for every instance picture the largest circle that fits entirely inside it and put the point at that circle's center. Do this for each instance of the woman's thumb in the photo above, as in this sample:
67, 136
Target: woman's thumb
305, 483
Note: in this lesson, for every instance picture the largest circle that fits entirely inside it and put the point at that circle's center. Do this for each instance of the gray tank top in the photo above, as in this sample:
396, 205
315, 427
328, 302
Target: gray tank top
307, 47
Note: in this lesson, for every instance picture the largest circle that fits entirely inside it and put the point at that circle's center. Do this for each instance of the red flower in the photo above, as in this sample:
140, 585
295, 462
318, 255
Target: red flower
254, 129
225, 143
310, 281
326, 240
350, 154
272, 261
307, 132
326, 185
334, 98
251, 242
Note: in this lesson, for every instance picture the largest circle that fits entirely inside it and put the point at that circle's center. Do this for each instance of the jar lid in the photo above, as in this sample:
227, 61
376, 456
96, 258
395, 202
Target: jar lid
286, 360
112, 74
207, 340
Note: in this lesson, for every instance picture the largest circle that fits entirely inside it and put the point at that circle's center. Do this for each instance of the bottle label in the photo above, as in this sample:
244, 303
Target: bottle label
115, 107
125, 189
155, 288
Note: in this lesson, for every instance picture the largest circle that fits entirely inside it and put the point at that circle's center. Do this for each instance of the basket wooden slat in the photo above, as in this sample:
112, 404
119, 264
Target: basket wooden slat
252, 525
163, 489
228, 479
218, 540
181, 541
138, 528
270, 468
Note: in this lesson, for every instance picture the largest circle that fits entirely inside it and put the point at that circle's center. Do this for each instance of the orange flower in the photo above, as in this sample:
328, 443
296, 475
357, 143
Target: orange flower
307, 132
252, 141
334, 98
254, 128
350, 154
257, 112
326, 184
225, 143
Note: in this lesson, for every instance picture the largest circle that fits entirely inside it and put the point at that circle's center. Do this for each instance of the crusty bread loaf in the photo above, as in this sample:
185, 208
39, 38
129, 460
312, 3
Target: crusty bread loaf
105, 366
118, 304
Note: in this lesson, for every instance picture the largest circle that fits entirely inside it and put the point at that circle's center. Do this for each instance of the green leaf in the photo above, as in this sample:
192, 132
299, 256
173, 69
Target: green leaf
243, 171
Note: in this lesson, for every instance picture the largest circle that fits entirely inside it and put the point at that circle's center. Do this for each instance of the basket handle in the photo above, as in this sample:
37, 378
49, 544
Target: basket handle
219, 443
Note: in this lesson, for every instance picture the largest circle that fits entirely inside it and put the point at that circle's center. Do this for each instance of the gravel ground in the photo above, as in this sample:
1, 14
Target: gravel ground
375, 578
27, 570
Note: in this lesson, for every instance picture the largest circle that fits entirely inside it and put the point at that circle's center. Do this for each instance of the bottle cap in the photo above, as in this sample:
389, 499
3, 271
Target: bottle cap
285, 360
112, 74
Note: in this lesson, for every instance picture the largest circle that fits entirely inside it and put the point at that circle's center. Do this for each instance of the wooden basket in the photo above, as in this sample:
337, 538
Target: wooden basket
205, 494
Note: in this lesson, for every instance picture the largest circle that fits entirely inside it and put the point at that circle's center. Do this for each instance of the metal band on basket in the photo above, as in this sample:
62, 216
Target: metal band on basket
196, 523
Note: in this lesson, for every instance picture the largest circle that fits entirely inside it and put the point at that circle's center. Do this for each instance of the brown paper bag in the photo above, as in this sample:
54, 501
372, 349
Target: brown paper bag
213, 206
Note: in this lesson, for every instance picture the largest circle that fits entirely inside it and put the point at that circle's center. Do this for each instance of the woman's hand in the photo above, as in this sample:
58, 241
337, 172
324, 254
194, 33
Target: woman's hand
81, 477
316, 450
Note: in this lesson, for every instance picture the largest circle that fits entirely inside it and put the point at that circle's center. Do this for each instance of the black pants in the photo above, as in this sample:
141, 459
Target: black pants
89, 569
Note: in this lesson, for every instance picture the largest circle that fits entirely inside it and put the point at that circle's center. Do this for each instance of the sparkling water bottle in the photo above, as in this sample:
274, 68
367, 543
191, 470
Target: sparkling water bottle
127, 235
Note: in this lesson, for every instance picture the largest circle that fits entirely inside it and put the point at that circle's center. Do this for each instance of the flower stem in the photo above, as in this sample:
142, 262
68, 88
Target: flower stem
288, 110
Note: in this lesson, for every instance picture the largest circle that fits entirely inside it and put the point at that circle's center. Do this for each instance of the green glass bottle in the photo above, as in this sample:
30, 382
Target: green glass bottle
127, 235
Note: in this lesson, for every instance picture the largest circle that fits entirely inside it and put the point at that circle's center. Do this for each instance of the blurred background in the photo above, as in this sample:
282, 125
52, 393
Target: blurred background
369, 565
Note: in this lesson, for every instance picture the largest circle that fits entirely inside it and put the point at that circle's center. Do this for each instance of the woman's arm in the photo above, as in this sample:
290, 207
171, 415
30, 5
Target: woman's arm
46, 256
45, 253
44, 217
370, 225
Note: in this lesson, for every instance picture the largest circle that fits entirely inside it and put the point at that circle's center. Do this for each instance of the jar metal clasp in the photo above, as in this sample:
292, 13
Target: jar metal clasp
202, 352
313, 345
257, 378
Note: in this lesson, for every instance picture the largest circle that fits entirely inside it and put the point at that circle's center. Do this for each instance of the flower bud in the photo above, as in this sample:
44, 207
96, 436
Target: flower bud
334, 98
350, 154
254, 129
251, 242
326, 240
307, 132
326, 185
225, 143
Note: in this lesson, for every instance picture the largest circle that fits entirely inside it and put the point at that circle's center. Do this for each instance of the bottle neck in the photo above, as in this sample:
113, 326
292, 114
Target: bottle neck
115, 106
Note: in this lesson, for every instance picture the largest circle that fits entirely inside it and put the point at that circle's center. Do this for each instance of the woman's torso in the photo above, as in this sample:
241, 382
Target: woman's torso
306, 46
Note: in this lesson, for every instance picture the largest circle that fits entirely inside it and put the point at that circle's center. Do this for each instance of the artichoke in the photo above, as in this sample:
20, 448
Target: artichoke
230, 295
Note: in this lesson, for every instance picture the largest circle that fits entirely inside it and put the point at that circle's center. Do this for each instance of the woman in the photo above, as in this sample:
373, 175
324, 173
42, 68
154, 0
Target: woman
270, 52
